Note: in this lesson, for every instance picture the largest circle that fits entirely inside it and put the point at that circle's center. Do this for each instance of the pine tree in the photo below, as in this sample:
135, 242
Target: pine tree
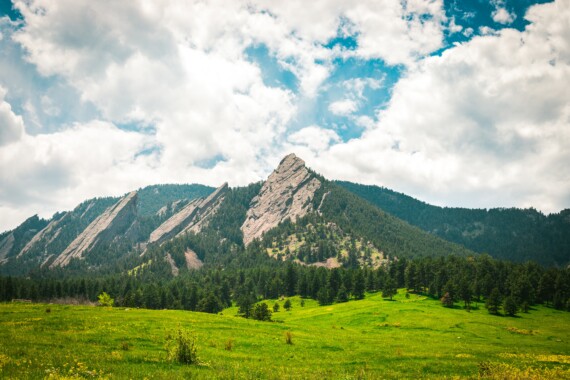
261, 312
359, 286
342, 295
389, 290
510, 306
493, 303
287, 305
245, 303
290, 280
323, 296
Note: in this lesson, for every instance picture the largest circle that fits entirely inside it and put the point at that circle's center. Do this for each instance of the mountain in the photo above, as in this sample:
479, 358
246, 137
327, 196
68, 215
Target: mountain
295, 215
504, 233
94, 225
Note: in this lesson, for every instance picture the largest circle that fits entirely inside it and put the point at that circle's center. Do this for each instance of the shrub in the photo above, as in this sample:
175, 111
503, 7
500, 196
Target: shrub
182, 348
287, 305
276, 307
229, 344
105, 299
447, 300
288, 337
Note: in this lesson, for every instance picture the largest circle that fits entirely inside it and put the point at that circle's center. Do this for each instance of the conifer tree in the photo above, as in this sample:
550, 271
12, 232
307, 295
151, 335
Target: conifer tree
493, 303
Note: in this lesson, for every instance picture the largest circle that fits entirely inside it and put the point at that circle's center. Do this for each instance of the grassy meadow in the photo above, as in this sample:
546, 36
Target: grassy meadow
372, 338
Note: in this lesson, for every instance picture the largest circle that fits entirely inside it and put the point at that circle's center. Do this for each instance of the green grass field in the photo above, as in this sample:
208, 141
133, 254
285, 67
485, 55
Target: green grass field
372, 338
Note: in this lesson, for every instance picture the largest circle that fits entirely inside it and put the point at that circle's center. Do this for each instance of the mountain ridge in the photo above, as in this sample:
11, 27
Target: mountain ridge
339, 226
508, 233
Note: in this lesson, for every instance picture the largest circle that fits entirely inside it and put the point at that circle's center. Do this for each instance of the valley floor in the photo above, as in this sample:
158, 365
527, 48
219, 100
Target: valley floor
372, 338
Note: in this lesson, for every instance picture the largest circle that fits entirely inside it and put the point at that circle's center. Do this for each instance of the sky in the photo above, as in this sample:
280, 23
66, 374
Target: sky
456, 103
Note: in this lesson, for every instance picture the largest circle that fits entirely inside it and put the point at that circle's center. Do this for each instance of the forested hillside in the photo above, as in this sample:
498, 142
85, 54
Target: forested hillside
505, 233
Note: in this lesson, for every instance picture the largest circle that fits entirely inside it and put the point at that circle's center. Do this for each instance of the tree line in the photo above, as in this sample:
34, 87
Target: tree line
457, 281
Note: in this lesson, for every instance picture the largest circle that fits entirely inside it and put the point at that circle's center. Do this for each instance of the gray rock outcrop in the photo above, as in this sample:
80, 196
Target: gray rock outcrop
287, 193
193, 217
6, 245
114, 220
50, 230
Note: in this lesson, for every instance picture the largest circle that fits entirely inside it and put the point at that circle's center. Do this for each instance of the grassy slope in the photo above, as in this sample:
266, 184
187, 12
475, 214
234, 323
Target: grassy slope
372, 338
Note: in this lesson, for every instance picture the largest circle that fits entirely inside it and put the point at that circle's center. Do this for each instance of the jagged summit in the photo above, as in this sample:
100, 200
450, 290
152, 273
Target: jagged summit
287, 193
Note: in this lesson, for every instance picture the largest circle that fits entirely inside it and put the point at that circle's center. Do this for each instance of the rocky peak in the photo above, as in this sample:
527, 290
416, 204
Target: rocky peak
287, 193
115, 220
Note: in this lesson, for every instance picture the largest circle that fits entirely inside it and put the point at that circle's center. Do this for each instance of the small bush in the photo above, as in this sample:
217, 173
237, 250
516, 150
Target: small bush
105, 299
182, 348
288, 337
125, 346
48, 310
229, 344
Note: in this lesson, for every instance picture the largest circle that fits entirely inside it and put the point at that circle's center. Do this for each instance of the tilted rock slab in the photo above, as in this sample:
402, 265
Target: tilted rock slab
287, 193
115, 219
191, 218
47, 230
6, 245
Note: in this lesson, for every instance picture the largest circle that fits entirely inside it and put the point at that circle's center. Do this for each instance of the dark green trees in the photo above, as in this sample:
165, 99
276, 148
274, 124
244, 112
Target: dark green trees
510, 306
359, 286
245, 304
493, 303
261, 312
389, 290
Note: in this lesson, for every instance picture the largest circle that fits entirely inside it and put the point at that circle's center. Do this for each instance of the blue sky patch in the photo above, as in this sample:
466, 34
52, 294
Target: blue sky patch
6, 9
273, 74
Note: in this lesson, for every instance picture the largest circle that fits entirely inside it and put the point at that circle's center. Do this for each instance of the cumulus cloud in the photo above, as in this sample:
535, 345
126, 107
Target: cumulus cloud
484, 124
343, 107
11, 125
178, 76
314, 138
501, 15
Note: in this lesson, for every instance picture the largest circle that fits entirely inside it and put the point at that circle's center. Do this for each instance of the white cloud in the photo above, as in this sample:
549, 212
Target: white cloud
486, 31
49, 172
398, 32
502, 16
11, 125
178, 72
343, 107
356, 86
484, 124
315, 138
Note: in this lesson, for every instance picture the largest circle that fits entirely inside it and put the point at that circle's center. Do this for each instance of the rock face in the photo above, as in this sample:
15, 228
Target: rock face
192, 260
47, 231
287, 193
6, 245
192, 217
115, 220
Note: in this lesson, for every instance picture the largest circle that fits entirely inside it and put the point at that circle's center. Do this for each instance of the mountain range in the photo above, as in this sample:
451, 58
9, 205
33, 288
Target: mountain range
295, 215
